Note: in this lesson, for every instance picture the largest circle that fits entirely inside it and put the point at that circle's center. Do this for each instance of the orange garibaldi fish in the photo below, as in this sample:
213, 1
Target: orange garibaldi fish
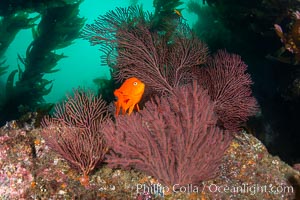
129, 95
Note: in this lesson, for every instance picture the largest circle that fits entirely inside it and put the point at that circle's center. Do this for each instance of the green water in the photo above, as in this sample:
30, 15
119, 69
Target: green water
83, 62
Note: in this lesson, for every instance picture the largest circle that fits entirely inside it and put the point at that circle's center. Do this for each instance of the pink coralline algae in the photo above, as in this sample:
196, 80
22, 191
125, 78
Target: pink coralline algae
17, 180
297, 166
15, 164
44, 175
3, 148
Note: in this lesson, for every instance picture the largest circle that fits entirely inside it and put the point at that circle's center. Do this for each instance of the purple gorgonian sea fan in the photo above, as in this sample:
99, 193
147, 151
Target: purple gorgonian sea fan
174, 138
133, 49
229, 87
74, 131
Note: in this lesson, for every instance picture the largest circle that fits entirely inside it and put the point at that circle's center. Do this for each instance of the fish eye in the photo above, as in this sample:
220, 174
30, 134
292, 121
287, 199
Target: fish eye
135, 83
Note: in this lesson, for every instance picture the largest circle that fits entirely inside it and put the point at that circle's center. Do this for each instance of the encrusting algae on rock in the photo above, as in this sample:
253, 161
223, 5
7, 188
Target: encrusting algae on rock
31, 170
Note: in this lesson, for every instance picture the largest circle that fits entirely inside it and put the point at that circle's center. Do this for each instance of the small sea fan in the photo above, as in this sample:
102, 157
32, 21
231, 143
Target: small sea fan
229, 86
75, 131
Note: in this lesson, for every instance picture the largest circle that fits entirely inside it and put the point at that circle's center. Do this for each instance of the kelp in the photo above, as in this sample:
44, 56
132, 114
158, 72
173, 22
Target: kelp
58, 27
165, 18
208, 27
250, 21
8, 7
3, 67
10, 25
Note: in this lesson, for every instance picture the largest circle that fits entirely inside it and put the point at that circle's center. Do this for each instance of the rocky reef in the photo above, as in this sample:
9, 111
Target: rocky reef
31, 170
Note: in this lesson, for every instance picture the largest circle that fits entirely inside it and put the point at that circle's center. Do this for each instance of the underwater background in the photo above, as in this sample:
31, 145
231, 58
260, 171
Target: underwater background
68, 53
82, 64
244, 28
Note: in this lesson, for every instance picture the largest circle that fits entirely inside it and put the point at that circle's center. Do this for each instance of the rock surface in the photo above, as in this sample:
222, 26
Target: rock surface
30, 170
